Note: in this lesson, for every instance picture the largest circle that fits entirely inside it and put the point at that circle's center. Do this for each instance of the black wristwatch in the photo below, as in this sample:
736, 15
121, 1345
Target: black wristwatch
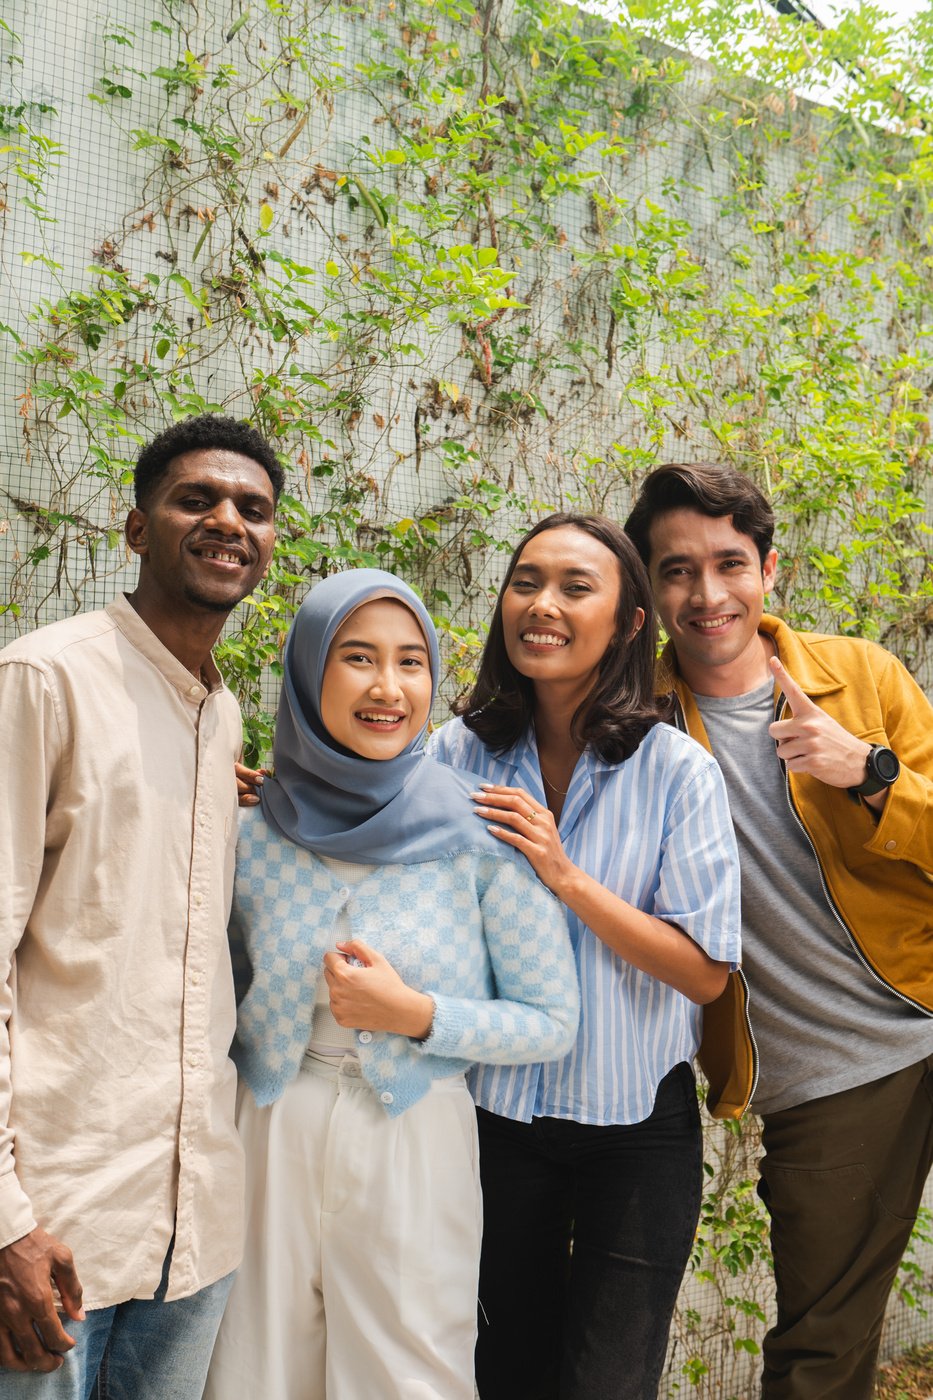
881, 769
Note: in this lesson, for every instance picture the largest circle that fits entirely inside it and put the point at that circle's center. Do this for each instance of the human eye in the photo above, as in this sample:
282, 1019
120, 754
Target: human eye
521, 585
413, 662
579, 587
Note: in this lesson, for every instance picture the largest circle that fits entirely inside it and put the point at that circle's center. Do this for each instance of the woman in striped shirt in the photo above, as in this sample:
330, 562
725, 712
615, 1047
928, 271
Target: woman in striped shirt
591, 1165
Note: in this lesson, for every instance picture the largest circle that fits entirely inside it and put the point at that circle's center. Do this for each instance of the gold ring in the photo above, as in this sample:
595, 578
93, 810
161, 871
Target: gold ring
531, 814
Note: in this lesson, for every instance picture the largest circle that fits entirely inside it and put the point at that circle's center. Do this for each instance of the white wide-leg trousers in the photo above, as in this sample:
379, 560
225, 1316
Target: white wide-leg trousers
359, 1279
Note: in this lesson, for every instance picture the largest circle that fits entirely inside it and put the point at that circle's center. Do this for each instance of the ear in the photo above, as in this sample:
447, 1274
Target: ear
638, 623
769, 570
136, 531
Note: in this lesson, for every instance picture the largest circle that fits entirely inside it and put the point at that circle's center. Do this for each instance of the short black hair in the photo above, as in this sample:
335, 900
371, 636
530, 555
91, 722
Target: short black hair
191, 435
712, 488
621, 707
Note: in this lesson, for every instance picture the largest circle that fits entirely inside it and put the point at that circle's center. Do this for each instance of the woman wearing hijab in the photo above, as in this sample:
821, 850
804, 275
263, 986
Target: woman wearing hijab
391, 942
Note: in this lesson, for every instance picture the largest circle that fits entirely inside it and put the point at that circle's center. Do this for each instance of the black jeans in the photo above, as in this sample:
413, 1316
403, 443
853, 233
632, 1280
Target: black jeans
589, 1322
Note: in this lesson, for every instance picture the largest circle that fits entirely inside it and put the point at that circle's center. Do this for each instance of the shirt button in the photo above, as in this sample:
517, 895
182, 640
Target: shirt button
386, 1097
890, 845
194, 691
191, 1061
365, 1037
344, 892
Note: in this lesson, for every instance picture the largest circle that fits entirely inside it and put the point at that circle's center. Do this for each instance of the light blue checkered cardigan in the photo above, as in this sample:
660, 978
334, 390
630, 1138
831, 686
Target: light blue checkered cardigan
478, 933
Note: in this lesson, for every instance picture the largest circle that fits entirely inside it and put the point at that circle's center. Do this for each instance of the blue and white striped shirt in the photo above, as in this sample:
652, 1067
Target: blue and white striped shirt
656, 831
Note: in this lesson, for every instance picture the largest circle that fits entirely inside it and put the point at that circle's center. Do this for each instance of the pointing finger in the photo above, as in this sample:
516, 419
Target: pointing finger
798, 701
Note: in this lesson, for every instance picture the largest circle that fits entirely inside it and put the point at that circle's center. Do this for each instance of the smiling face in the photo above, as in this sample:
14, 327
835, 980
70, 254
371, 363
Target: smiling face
559, 608
709, 586
205, 535
377, 687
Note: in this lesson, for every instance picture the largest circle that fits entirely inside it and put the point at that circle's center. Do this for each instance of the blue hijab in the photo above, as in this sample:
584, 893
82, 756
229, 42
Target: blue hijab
401, 810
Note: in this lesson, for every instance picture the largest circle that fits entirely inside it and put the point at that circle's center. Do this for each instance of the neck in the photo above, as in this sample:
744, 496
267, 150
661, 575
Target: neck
746, 673
189, 637
554, 710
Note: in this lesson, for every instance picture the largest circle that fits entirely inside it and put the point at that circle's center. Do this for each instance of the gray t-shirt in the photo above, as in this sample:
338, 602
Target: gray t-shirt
821, 1019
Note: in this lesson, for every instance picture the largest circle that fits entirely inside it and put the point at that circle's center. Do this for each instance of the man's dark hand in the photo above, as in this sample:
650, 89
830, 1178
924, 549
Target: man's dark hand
31, 1334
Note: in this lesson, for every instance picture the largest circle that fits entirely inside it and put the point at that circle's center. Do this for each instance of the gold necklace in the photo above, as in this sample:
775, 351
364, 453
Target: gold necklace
561, 792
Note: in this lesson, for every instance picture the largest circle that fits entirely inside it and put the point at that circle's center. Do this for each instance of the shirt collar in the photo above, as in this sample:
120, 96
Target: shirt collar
142, 637
523, 758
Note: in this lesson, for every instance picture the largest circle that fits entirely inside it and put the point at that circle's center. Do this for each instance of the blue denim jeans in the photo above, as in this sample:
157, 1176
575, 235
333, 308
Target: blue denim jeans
587, 1232
145, 1349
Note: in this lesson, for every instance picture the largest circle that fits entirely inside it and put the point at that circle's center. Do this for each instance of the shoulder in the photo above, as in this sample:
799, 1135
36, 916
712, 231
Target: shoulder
48, 647
458, 747
666, 754
280, 889
843, 651
853, 662
449, 741
669, 774
264, 854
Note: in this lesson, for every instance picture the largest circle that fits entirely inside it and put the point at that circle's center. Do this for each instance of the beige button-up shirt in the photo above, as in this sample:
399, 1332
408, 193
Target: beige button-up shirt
117, 835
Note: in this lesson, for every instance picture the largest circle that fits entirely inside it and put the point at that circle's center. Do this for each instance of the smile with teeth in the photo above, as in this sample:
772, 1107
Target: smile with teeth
712, 624
378, 717
544, 639
225, 556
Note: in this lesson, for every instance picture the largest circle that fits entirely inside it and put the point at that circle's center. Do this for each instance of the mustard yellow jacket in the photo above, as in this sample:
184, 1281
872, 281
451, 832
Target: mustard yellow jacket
877, 872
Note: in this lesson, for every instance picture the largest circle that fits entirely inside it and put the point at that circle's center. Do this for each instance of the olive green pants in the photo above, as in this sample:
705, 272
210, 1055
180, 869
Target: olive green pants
842, 1178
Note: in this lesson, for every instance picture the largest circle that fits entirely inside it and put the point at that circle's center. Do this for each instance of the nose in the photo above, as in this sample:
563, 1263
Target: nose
386, 685
708, 589
225, 518
544, 603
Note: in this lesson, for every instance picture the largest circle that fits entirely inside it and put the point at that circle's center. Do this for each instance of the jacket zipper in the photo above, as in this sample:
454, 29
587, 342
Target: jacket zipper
779, 704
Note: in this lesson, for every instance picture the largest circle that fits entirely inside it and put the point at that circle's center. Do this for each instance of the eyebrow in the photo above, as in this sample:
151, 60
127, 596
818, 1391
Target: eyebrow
576, 570
740, 552
211, 488
372, 646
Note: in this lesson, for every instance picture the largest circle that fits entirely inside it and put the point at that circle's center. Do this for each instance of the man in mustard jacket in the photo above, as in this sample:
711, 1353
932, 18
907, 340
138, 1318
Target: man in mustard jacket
826, 744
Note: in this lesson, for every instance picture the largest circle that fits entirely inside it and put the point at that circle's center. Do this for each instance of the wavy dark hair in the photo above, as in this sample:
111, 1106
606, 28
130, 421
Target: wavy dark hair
621, 706
713, 488
205, 430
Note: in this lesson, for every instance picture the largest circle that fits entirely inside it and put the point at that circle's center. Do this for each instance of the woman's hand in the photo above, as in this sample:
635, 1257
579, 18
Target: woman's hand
521, 821
372, 996
661, 949
248, 783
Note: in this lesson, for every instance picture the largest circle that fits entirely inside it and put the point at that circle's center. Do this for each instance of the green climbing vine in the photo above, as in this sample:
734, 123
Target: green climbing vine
464, 263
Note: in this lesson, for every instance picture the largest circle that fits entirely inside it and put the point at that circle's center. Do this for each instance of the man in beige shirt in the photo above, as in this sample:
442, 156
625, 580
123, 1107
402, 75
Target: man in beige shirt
120, 1169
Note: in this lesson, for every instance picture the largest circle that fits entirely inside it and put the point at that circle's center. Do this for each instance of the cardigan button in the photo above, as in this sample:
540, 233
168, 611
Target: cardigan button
386, 1097
344, 892
890, 845
365, 1037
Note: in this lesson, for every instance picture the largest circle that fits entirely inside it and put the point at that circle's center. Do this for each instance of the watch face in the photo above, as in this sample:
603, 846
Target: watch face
884, 764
